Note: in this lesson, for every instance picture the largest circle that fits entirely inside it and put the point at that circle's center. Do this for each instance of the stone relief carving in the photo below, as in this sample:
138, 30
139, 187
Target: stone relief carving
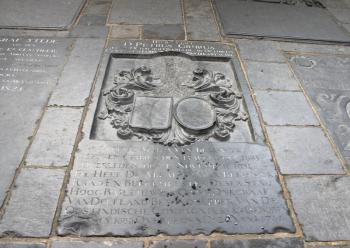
139, 105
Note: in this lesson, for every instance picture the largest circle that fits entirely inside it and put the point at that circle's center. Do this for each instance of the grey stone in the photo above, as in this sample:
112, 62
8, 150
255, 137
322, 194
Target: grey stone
285, 108
29, 69
314, 48
95, 244
303, 150
259, 243
98, 7
39, 13
78, 75
341, 14
322, 205
334, 109
22, 245
265, 76
200, 21
53, 143
125, 31
347, 27
164, 32
82, 31
34, 33
336, 3
335, 246
260, 50
140, 12
179, 244
266, 19
93, 20
33, 203
326, 71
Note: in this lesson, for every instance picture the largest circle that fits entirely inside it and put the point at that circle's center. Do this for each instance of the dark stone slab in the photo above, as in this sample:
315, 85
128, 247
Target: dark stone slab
95, 244
29, 69
164, 32
259, 243
123, 184
266, 19
93, 20
179, 244
22, 245
140, 12
98, 7
39, 13
322, 205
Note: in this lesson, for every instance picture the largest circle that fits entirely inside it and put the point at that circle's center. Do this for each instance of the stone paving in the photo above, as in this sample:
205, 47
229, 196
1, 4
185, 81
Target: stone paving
285, 176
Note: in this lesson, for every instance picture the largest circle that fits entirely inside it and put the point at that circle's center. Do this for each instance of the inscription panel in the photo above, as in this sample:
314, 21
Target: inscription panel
29, 68
131, 186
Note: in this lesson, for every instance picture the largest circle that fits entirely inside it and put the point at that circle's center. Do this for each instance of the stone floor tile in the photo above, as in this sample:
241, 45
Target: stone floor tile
95, 244
82, 31
200, 21
264, 76
78, 75
259, 243
285, 108
93, 20
139, 12
336, 3
164, 32
341, 14
53, 144
303, 150
314, 48
179, 244
260, 50
98, 7
336, 246
33, 203
22, 245
125, 32
347, 27
322, 205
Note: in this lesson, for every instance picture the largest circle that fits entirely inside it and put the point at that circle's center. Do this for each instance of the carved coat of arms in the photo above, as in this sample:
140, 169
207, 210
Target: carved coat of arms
139, 105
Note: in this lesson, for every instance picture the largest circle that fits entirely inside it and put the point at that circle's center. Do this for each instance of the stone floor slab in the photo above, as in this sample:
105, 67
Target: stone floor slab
53, 143
33, 203
303, 150
267, 51
179, 244
164, 32
341, 14
200, 21
96, 244
78, 75
98, 7
22, 245
258, 243
140, 12
276, 76
125, 31
39, 13
322, 205
285, 108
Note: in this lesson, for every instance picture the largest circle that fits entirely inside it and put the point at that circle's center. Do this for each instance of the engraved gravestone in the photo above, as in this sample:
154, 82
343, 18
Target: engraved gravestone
172, 146
29, 69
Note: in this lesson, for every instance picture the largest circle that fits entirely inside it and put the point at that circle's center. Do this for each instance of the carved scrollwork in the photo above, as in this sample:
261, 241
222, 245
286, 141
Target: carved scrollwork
137, 110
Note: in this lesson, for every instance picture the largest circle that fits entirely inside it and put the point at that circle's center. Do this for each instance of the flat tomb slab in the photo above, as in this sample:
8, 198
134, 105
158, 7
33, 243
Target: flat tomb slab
199, 167
36, 14
278, 20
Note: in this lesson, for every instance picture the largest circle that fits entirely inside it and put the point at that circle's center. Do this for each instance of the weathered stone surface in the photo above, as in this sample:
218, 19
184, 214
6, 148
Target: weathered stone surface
347, 27
342, 15
322, 71
125, 31
276, 76
164, 32
260, 50
285, 108
135, 187
29, 69
139, 12
94, 244
200, 21
83, 31
314, 48
93, 20
303, 150
336, 3
322, 205
179, 244
53, 144
98, 7
259, 243
335, 246
268, 19
78, 75
22, 245
39, 14
33, 203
